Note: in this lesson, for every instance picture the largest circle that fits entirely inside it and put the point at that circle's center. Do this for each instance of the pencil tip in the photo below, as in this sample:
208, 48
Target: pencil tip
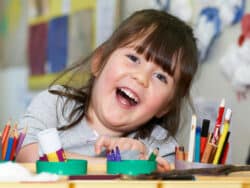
194, 119
223, 101
228, 114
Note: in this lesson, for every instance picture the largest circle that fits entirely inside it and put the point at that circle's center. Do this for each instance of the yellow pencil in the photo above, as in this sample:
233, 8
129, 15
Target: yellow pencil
223, 136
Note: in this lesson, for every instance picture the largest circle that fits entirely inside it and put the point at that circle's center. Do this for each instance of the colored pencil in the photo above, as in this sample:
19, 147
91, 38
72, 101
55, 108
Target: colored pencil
20, 140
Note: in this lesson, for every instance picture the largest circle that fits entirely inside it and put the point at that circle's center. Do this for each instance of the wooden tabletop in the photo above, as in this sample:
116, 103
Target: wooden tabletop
234, 180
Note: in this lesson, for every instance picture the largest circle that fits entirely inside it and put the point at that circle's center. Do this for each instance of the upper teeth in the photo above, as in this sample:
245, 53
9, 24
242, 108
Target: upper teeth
130, 94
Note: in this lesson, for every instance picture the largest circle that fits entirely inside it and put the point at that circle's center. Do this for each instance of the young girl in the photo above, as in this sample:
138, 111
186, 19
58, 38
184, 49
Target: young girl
139, 79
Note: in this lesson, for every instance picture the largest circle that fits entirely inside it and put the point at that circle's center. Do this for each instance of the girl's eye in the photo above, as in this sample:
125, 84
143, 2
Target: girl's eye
133, 58
161, 77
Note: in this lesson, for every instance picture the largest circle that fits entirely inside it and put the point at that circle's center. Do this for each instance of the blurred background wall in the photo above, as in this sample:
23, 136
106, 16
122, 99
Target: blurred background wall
209, 87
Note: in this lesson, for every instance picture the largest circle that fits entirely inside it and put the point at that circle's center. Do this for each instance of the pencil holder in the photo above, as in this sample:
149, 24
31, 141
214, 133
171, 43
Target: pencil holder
181, 165
69, 167
131, 167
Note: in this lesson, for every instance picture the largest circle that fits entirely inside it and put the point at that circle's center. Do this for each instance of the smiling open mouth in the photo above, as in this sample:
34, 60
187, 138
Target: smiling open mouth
127, 97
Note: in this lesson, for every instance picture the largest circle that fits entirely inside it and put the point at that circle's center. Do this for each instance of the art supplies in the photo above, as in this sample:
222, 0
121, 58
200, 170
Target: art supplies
5, 135
208, 147
0, 145
114, 155
216, 132
70, 167
197, 144
21, 139
11, 142
117, 165
204, 135
209, 153
192, 139
223, 136
51, 146
9, 146
154, 154
14, 146
225, 149
131, 167
179, 153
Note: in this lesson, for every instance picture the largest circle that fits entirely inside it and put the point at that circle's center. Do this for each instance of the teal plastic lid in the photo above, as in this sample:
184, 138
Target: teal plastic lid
131, 167
69, 167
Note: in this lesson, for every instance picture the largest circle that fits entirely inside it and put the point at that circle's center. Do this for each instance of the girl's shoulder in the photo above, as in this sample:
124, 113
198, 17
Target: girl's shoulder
46, 102
46, 94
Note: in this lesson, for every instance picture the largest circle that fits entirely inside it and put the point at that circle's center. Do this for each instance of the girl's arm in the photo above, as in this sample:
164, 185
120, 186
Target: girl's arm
28, 153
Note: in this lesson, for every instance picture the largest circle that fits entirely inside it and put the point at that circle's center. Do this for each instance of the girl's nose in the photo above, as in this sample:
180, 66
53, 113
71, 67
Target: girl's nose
141, 78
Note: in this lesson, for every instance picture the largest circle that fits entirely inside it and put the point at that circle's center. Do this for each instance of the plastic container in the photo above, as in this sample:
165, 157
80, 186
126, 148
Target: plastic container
131, 167
69, 167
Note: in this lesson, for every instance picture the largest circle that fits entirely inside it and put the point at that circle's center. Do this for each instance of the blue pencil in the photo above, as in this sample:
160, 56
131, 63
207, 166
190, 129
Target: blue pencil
9, 148
197, 144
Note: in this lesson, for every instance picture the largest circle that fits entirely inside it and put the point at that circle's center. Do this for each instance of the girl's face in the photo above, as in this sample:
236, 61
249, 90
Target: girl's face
128, 92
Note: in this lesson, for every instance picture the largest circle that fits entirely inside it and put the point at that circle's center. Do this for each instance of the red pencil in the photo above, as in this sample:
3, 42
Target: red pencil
225, 150
13, 150
224, 155
204, 136
216, 132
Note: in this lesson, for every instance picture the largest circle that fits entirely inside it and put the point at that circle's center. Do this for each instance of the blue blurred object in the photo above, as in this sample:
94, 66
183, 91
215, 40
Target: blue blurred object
57, 44
206, 34
163, 4
212, 15
239, 11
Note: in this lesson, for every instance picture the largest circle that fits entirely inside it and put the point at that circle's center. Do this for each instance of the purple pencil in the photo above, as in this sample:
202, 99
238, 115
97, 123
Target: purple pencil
118, 154
20, 140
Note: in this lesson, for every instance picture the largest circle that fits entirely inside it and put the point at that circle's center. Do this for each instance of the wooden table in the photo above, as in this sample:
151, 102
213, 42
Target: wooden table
234, 180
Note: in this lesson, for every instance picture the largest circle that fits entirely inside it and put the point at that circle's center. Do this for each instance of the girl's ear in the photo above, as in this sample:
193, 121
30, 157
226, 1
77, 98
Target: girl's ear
96, 61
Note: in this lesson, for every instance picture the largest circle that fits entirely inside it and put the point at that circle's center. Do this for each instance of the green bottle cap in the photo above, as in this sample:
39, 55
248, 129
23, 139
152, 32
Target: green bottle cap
69, 167
131, 167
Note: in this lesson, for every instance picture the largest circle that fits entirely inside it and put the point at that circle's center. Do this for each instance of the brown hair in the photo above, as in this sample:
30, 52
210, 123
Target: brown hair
161, 38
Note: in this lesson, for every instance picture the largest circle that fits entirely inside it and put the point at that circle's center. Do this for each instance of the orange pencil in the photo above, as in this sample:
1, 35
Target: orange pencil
5, 133
5, 139
179, 153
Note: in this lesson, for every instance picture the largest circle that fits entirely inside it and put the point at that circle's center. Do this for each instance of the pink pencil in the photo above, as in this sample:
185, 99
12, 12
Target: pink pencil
20, 140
